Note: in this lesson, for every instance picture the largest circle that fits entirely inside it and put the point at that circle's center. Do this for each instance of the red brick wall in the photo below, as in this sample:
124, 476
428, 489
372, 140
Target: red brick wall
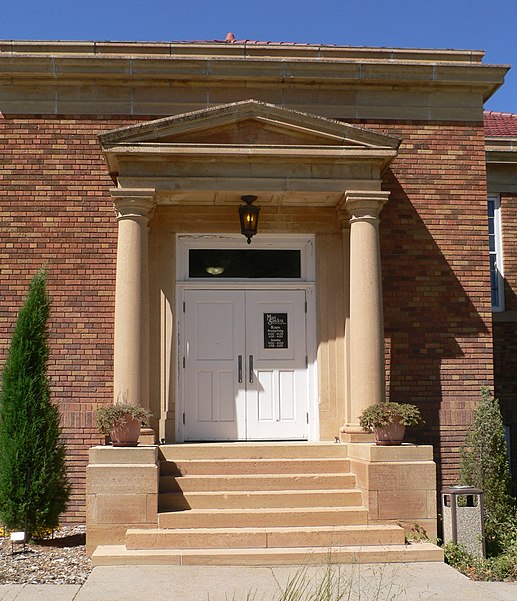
436, 280
56, 211
505, 332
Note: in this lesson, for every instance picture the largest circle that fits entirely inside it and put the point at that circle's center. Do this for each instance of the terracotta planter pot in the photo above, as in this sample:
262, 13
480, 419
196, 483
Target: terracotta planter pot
390, 435
127, 434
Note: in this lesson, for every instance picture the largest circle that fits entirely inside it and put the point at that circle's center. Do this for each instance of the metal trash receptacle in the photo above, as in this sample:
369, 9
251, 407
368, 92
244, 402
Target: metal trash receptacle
463, 514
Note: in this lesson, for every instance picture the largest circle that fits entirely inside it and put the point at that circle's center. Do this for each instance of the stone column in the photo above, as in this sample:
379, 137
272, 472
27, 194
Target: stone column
131, 345
366, 327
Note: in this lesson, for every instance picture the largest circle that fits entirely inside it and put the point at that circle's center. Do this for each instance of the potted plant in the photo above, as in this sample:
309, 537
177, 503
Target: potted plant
122, 423
388, 421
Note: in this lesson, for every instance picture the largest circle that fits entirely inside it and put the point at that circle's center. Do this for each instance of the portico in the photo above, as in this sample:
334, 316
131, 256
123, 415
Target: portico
313, 175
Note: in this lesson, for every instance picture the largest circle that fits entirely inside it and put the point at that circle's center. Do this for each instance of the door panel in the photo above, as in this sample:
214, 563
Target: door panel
276, 338
214, 402
265, 333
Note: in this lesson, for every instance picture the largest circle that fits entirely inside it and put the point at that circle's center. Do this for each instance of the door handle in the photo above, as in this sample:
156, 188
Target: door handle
239, 367
251, 368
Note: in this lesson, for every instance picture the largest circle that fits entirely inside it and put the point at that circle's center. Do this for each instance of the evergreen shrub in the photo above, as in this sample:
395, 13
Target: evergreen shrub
484, 464
34, 489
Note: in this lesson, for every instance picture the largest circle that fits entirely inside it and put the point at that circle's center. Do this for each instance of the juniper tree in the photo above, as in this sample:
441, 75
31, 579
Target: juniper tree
484, 464
34, 489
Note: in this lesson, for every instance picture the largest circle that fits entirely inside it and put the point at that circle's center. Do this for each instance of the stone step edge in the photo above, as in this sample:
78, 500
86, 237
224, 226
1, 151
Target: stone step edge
254, 460
106, 555
261, 510
251, 493
299, 516
250, 450
258, 482
272, 529
259, 476
262, 537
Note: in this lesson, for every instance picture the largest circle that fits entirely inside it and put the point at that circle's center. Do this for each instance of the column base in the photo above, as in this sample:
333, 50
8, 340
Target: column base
352, 433
147, 436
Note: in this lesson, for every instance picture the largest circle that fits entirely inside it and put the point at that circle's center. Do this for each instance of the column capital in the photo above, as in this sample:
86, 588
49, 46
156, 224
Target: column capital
365, 204
131, 203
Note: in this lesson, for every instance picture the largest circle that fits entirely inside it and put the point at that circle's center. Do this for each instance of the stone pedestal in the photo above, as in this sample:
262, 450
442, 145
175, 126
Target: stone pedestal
121, 493
398, 484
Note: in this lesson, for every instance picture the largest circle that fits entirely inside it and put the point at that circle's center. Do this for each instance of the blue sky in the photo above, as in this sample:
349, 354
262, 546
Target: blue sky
463, 24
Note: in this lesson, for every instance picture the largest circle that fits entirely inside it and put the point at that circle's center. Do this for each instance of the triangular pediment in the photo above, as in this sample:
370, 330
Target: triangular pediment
248, 123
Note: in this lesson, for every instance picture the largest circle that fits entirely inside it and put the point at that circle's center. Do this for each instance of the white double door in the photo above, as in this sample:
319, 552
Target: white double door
245, 365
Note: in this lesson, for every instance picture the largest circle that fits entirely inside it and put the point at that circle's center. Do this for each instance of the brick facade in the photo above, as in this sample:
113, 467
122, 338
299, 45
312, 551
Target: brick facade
435, 277
505, 329
57, 212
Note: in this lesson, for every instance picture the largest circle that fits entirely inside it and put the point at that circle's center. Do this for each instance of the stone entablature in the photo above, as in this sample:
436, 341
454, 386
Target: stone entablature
213, 156
150, 79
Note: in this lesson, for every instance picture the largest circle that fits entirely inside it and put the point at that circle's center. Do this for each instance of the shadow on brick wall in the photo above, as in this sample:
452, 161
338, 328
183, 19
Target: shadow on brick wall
438, 345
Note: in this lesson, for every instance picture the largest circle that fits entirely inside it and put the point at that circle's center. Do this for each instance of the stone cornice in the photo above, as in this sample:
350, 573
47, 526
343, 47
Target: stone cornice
333, 67
245, 49
500, 150
128, 77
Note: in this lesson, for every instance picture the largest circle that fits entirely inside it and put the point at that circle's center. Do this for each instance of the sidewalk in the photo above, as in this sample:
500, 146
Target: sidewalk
380, 582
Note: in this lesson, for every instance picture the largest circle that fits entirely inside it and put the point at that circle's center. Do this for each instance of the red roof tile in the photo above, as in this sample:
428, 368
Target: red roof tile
500, 124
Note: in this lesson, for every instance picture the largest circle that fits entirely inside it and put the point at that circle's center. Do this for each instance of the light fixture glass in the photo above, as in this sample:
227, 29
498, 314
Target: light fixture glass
248, 215
214, 270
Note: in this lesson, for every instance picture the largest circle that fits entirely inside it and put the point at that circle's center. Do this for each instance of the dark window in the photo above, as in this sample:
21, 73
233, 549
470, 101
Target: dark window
496, 259
244, 263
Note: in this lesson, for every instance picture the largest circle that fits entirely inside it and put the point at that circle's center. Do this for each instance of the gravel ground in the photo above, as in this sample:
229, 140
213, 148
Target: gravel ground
58, 560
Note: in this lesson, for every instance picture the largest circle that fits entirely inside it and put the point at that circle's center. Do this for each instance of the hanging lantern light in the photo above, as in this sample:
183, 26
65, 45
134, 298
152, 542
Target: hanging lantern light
248, 215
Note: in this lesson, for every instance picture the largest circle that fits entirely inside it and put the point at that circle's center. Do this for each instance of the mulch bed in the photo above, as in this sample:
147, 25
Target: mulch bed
59, 559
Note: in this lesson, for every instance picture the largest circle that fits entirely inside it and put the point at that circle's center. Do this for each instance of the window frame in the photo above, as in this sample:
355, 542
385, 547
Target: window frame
496, 254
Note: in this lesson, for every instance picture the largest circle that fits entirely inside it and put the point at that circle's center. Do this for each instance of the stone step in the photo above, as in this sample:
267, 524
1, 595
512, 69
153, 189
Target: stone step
247, 482
111, 555
250, 450
259, 499
245, 538
261, 518
308, 465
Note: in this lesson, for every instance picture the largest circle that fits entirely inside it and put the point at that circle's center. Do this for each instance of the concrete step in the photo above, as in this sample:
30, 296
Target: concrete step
245, 538
209, 466
110, 555
250, 450
245, 482
262, 518
259, 499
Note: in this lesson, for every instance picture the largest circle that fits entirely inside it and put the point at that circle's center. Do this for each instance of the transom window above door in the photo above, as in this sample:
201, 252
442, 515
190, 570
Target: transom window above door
244, 263
224, 257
